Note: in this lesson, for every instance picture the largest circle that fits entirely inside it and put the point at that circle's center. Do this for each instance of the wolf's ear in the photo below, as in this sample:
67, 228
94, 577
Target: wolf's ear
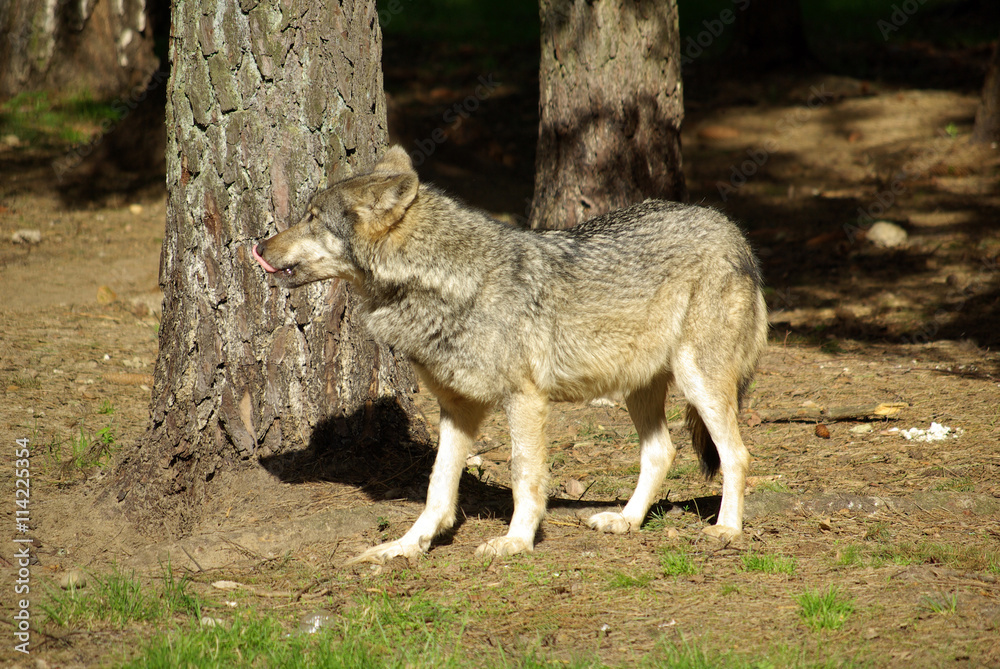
395, 161
380, 200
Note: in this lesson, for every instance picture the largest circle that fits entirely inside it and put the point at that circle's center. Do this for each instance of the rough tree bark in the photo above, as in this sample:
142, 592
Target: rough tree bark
610, 109
102, 47
268, 101
987, 126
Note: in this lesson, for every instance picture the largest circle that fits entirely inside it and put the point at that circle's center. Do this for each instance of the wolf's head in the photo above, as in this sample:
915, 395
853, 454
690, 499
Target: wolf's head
344, 226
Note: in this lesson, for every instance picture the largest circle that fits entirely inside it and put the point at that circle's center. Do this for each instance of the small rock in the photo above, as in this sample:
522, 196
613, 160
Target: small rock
474, 461
574, 488
11, 140
26, 237
135, 209
863, 428
226, 585
73, 579
105, 295
886, 234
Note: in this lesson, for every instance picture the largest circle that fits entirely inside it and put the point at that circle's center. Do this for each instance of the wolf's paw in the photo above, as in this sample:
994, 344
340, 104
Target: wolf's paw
610, 521
384, 552
504, 546
722, 533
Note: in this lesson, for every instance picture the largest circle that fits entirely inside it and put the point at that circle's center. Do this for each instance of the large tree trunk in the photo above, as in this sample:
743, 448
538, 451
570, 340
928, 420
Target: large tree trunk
267, 102
610, 109
987, 127
101, 47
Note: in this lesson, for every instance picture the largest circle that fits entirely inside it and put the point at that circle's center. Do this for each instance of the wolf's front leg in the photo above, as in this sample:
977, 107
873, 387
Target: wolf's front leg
460, 422
526, 414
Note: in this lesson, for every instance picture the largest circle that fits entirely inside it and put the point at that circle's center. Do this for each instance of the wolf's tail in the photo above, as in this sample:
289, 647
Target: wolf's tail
701, 438
704, 446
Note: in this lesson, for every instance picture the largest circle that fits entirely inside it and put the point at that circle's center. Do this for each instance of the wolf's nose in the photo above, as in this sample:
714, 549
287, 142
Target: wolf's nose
257, 256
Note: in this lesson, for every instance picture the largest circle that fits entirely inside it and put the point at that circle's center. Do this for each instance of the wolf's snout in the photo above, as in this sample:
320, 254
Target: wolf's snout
263, 263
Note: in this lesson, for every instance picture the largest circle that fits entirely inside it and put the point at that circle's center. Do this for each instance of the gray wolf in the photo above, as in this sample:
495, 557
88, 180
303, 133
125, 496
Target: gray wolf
627, 303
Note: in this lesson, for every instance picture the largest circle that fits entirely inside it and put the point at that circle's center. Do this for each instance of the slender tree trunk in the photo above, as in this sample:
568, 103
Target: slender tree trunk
987, 127
610, 108
103, 47
267, 102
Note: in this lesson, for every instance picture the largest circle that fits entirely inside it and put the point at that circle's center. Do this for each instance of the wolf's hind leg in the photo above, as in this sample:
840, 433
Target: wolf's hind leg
460, 420
646, 407
715, 400
526, 414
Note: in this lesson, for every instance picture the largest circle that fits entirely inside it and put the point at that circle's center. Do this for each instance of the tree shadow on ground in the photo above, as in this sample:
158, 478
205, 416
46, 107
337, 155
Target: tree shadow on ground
374, 449
380, 450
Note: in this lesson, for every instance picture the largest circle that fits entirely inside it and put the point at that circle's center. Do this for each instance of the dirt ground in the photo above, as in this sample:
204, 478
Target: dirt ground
855, 325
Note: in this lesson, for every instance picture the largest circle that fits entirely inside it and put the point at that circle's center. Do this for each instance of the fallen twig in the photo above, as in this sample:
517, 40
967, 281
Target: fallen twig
884, 410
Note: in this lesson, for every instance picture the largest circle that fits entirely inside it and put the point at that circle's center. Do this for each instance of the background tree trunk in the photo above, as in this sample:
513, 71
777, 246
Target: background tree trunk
610, 109
987, 127
267, 101
101, 47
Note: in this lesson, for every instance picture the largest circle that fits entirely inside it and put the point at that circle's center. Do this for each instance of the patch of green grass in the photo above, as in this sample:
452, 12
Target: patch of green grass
776, 485
685, 655
676, 563
24, 381
878, 531
850, 556
597, 433
941, 604
119, 599
378, 631
107, 408
682, 471
84, 450
957, 484
767, 564
621, 581
824, 610
969, 557
831, 346
38, 118
656, 521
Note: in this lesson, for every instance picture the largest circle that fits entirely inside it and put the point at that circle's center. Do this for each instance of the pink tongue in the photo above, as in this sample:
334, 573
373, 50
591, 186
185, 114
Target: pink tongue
263, 263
